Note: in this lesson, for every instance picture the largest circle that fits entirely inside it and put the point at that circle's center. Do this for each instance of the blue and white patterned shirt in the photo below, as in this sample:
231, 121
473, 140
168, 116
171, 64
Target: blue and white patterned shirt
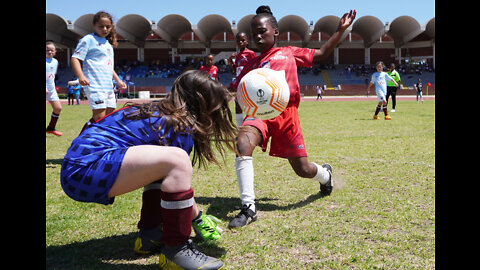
52, 65
97, 56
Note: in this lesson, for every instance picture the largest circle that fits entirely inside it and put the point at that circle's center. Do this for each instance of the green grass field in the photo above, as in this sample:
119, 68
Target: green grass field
381, 214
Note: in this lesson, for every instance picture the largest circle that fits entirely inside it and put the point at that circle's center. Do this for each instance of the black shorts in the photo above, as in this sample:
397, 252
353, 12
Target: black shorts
391, 90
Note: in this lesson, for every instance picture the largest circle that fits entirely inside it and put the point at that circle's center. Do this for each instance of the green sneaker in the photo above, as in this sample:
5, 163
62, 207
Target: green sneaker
206, 227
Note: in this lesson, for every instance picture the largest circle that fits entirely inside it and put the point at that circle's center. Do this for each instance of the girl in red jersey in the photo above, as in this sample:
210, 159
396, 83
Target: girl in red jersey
210, 68
284, 130
241, 58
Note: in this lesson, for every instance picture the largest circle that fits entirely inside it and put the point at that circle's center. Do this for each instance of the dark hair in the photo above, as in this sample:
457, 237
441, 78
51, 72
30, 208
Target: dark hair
264, 11
112, 36
241, 33
198, 105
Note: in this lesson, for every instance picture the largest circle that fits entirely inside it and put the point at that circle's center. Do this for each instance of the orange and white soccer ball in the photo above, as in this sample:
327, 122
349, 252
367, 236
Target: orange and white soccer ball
263, 93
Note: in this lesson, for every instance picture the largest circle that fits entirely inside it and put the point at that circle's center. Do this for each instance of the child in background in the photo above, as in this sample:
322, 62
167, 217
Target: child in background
380, 78
284, 130
96, 72
147, 145
51, 94
241, 58
210, 68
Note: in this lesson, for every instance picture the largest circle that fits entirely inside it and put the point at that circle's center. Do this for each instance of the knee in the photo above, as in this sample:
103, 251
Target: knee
182, 166
179, 177
57, 110
247, 139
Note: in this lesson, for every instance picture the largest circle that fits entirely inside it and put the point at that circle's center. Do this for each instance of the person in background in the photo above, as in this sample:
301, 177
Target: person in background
319, 92
210, 68
391, 88
240, 59
418, 87
51, 94
76, 91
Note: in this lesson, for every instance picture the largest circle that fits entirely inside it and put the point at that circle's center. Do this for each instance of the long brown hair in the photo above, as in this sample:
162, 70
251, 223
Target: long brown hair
112, 36
198, 105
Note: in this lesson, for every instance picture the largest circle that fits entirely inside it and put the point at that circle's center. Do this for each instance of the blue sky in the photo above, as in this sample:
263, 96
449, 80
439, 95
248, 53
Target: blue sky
194, 10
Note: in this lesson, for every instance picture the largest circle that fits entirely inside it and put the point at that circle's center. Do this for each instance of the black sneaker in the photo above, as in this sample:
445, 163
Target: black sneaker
326, 189
245, 216
148, 241
187, 256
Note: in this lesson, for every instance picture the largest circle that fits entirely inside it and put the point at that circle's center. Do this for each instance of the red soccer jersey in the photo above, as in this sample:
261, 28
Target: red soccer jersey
282, 58
242, 58
211, 71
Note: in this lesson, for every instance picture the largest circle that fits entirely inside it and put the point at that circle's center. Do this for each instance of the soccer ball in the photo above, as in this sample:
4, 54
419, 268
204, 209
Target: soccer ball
263, 93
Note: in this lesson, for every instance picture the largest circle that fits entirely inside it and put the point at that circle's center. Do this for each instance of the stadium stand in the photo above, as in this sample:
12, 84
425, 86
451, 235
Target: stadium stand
151, 54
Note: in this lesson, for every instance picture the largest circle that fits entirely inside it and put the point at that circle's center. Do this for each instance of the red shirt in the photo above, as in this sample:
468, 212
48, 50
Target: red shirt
282, 58
211, 71
242, 58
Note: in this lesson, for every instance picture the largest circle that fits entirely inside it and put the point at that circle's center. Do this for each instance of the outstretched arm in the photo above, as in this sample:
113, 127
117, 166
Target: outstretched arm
332, 42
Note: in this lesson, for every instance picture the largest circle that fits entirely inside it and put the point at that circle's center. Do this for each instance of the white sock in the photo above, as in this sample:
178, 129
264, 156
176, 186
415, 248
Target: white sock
239, 119
154, 185
322, 175
245, 177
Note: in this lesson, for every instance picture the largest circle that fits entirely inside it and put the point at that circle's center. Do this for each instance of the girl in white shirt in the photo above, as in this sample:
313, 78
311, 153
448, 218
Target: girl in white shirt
51, 94
96, 72
380, 78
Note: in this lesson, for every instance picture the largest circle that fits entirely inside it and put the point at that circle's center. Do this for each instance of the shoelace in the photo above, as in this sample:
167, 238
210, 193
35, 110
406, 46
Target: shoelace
243, 211
193, 251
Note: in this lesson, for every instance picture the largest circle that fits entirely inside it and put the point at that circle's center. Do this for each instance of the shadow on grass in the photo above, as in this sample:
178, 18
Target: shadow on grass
222, 206
113, 252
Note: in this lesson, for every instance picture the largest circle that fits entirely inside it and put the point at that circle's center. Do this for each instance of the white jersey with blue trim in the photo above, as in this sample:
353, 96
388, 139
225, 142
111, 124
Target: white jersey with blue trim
52, 65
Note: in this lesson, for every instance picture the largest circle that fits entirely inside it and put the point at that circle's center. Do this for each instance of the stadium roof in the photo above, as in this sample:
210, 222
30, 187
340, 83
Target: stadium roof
136, 28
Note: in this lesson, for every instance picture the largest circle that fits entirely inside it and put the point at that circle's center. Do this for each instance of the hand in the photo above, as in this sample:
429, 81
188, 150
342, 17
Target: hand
121, 85
347, 20
83, 81
47, 92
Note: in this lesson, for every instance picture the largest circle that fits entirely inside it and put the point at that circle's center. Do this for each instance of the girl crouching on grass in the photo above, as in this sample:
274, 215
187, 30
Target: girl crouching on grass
148, 145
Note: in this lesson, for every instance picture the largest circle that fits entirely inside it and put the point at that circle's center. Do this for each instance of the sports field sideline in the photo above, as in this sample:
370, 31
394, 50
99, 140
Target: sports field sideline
308, 98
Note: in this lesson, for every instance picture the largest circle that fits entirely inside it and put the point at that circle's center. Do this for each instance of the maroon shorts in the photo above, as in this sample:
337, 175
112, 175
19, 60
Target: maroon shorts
285, 131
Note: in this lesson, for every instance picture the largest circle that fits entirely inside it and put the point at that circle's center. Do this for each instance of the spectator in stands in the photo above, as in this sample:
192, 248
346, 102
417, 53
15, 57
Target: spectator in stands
210, 68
